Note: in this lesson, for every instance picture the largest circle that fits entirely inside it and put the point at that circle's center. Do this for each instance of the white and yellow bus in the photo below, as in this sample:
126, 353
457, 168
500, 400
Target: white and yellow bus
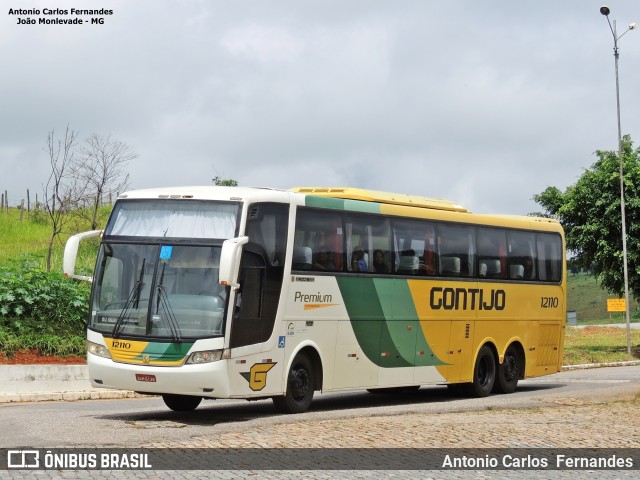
230, 292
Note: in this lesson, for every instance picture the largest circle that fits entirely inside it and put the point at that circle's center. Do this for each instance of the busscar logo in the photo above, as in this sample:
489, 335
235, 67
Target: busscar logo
23, 459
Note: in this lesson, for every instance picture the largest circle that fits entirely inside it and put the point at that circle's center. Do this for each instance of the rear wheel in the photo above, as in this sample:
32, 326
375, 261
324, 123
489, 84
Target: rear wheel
484, 373
508, 372
300, 387
181, 403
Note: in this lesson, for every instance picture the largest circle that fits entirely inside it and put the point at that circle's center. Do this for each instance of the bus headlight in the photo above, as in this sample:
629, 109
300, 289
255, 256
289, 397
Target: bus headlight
97, 349
204, 357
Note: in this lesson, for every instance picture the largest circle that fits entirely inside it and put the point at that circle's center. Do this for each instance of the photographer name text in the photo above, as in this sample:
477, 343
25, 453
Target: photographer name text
60, 16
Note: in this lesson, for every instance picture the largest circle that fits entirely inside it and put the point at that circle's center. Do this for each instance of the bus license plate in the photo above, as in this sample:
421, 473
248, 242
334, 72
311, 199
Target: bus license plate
145, 378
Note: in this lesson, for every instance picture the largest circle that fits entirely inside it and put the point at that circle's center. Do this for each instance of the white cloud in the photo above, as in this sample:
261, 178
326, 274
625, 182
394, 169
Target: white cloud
484, 103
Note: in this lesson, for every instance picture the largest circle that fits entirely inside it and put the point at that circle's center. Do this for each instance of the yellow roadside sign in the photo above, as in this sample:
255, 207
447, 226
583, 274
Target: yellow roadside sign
616, 305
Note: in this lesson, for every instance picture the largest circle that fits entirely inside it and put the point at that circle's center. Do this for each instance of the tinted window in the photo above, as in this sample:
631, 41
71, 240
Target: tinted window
521, 255
318, 241
457, 251
415, 248
492, 253
365, 236
549, 257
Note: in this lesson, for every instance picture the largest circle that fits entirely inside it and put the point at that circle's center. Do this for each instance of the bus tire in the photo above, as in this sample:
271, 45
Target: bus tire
300, 387
181, 403
484, 374
508, 372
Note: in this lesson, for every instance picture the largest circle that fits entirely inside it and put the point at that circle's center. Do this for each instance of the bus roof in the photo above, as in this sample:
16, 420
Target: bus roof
382, 197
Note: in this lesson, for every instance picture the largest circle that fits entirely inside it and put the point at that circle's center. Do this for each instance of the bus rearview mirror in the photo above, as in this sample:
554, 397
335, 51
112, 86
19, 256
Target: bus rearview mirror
230, 261
71, 254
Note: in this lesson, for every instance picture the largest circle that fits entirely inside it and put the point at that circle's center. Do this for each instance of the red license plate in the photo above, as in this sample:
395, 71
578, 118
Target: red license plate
145, 378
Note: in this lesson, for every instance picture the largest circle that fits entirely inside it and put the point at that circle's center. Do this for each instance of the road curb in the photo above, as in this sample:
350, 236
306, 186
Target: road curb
41, 383
601, 365
94, 394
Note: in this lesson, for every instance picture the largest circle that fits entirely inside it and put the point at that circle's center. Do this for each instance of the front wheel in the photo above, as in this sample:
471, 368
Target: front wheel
181, 403
484, 373
300, 387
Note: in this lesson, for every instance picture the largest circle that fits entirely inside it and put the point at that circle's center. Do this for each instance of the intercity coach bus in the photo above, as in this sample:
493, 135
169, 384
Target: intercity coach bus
231, 292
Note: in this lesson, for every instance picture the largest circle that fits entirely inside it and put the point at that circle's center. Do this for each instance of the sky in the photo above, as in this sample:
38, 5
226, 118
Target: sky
483, 102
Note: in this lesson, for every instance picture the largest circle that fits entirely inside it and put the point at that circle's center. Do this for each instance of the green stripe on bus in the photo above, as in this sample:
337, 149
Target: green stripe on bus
324, 202
360, 206
340, 204
385, 322
398, 313
365, 312
166, 351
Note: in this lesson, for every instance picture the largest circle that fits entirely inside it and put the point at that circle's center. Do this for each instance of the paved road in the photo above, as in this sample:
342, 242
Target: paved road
594, 408
234, 423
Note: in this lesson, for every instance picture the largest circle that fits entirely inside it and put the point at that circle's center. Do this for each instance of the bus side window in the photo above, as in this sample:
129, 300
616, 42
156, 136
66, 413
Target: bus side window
366, 235
317, 243
492, 253
549, 257
457, 250
521, 256
414, 247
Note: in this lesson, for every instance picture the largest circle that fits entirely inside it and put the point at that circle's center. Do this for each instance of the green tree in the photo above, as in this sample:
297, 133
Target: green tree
589, 212
224, 182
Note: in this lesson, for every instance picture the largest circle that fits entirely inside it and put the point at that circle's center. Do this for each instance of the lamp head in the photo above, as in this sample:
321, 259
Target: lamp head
633, 26
604, 10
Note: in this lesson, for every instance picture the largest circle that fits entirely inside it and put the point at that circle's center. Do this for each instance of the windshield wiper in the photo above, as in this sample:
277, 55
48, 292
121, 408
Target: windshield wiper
134, 298
163, 300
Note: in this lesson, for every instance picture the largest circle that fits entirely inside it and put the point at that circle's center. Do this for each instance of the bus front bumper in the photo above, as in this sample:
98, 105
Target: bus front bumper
203, 380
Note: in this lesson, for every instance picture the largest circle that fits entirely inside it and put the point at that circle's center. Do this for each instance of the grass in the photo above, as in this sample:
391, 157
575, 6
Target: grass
30, 237
598, 344
20, 236
589, 301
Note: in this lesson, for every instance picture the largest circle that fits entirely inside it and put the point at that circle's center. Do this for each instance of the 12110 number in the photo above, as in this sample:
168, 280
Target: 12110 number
549, 302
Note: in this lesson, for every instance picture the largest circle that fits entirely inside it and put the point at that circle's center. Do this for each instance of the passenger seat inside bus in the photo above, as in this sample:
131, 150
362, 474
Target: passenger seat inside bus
516, 272
450, 266
494, 269
302, 258
409, 263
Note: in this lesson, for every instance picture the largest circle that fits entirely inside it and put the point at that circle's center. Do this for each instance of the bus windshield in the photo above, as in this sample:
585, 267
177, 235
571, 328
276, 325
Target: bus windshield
173, 218
159, 291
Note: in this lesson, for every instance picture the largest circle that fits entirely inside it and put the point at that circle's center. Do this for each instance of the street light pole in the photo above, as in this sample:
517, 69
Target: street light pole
605, 11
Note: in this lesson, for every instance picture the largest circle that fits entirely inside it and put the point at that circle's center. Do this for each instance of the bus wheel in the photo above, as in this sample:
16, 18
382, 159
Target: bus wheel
181, 403
300, 387
508, 372
484, 373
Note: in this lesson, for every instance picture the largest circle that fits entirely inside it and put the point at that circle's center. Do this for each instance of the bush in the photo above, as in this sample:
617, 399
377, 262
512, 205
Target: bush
50, 302
42, 311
